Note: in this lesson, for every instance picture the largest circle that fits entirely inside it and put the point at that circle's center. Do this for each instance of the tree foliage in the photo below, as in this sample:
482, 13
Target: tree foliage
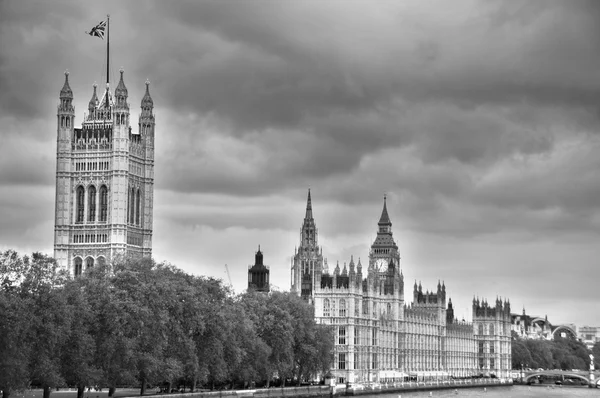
137, 322
560, 353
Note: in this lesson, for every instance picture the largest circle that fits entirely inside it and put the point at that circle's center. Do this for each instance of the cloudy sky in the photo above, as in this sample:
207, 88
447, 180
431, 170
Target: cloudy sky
479, 120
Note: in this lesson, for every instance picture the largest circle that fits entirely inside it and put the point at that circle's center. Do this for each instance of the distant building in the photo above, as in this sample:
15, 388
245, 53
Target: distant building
537, 327
380, 337
258, 274
590, 335
104, 179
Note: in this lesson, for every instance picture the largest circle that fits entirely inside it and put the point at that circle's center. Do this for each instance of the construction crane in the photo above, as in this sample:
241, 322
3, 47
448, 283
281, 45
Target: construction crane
228, 274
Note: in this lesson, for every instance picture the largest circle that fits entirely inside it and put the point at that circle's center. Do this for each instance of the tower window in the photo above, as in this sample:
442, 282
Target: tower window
128, 204
78, 267
89, 262
92, 203
103, 203
342, 307
342, 361
132, 209
80, 203
137, 207
342, 335
326, 308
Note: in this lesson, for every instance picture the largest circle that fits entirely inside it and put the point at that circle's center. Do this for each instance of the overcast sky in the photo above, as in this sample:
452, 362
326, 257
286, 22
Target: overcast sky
480, 120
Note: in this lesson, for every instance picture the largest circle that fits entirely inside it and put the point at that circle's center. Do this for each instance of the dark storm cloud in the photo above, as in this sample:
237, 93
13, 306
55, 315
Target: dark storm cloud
32, 37
480, 121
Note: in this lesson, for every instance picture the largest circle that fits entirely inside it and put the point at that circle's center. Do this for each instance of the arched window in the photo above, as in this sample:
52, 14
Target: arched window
78, 267
132, 210
101, 260
89, 262
326, 308
103, 203
80, 203
480, 329
128, 204
342, 307
137, 207
92, 203
491, 328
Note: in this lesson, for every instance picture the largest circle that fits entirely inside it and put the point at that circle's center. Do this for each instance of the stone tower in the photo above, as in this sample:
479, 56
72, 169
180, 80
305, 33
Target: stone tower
258, 274
308, 258
384, 250
104, 180
491, 328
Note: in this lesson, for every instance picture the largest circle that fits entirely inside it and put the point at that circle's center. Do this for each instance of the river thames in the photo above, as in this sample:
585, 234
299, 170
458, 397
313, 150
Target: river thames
503, 392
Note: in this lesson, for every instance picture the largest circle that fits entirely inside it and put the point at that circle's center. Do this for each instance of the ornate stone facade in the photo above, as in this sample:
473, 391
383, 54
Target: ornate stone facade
379, 337
104, 180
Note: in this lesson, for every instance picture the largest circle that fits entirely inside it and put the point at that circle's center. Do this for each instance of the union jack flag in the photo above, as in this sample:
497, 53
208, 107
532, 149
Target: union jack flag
98, 30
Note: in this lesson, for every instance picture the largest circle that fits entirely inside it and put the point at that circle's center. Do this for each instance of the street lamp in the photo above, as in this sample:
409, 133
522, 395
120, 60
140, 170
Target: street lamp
521, 372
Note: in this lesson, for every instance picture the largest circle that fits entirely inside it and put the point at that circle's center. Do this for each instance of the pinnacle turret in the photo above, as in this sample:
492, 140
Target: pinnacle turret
66, 92
94, 100
121, 90
147, 102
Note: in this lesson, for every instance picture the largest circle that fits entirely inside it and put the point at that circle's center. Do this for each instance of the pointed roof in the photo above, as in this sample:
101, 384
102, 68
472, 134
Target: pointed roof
147, 100
107, 98
121, 90
309, 214
94, 100
66, 91
385, 218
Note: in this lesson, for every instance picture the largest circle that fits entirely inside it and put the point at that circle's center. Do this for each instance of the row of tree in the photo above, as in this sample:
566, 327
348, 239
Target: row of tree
141, 323
560, 353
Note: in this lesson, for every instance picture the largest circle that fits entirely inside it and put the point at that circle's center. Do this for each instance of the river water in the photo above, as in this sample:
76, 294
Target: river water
499, 392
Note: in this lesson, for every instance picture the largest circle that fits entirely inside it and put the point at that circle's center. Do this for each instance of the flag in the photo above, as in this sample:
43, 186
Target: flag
98, 30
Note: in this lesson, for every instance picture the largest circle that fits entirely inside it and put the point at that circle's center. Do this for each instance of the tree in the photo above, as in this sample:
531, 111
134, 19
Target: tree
32, 305
596, 354
79, 350
521, 357
541, 356
310, 348
49, 320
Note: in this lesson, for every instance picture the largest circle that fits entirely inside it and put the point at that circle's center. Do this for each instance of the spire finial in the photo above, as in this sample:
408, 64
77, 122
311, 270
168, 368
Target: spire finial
309, 214
385, 218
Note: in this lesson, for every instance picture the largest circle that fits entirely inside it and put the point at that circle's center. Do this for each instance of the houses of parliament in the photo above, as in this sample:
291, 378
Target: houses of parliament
379, 336
104, 206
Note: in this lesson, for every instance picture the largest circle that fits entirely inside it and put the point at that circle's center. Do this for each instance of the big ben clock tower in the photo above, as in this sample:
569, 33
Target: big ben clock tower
384, 251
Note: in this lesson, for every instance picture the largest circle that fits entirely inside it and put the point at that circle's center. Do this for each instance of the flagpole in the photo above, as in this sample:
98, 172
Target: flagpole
107, 46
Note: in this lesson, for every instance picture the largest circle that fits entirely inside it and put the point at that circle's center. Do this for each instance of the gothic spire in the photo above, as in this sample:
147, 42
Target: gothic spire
66, 92
385, 218
94, 100
147, 100
309, 214
121, 90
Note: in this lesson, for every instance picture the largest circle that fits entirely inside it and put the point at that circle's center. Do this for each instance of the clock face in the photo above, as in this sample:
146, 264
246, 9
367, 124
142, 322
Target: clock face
381, 265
